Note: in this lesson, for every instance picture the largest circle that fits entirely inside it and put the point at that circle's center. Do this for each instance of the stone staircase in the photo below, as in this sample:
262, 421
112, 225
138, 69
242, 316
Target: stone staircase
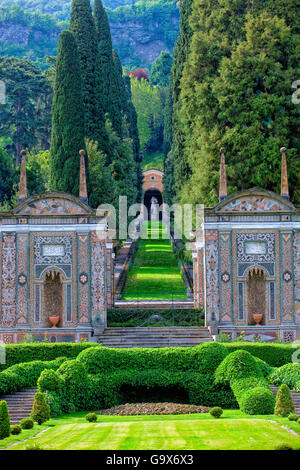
19, 404
153, 337
154, 304
295, 396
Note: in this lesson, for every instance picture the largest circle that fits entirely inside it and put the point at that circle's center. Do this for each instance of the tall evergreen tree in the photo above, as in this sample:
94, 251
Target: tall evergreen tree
67, 118
82, 25
110, 85
180, 165
254, 112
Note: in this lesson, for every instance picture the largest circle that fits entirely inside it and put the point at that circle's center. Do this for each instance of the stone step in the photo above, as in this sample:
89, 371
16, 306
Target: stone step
19, 404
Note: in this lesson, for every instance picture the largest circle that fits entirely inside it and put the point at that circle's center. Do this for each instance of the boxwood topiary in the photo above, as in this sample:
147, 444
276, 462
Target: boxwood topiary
40, 409
27, 423
4, 420
284, 401
288, 374
51, 381
216, 411
237, 365
91, 417
257, 401
15, 429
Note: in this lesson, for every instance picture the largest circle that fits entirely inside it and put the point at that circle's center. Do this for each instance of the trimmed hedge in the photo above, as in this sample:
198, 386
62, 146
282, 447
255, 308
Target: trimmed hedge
25, 375
139, 317
204, 358
288, 374
245, 375
276, 355
17, 353
284, 401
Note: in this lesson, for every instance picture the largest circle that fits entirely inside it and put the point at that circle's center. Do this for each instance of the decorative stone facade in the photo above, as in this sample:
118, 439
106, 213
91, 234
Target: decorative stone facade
53, 263
153, 179
251, 261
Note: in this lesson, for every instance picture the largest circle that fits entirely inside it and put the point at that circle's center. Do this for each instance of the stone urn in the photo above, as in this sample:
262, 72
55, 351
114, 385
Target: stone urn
257, 318
54, 319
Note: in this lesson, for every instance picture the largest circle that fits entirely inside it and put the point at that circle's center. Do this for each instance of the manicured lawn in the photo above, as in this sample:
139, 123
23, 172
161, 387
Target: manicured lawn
154, 273
234, 431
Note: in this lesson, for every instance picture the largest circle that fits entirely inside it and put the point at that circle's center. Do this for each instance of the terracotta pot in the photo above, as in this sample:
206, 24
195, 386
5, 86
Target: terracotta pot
257, 317
54, 319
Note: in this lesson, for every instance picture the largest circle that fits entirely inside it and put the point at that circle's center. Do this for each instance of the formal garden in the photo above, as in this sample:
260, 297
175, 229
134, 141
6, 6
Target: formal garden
212, 396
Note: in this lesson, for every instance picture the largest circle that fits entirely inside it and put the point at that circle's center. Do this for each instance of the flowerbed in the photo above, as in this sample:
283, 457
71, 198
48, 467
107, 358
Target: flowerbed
135, 409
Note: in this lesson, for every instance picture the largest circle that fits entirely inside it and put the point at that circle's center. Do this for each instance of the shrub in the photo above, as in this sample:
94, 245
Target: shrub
50, 380
216, 412
40, 409
276, 355
26, 423
55, 403
25, 375
20, 353
75, 379
297, 386
284, 402
293, 417
4, 420
257, 401
91, 417
288, 374
264, 367
239, 364
15, 429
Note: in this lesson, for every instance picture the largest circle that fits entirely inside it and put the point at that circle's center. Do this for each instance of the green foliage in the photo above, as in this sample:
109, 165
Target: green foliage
288, 374
55, 403
276, 355
4, 420
161, 70
49, 380
293, 417
21, 353
25, 375
242, 59
91, 417
172, 317
216, 412
40, 409
284, 401
7, 176
25, 117
244, 374
67, 118
257, 401
15, 429
27, 423
75, 380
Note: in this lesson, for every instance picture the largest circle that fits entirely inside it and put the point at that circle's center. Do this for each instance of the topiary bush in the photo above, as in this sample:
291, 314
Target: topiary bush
40, 409
288, 374
4, 420
55, 403
75, 379
245, 375
15, 429
284, 401
276, 355
25, 375
293, 417
26, 423
51, 381
91, 417
257, 401
216, 411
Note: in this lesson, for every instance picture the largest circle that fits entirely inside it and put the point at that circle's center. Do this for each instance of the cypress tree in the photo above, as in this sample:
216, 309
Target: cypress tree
109, 81
82, 25
67, 118
4, 420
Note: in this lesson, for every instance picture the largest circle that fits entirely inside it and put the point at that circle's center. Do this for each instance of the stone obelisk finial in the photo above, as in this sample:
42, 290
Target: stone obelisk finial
284, 176
23, 184
223, 182
82, 182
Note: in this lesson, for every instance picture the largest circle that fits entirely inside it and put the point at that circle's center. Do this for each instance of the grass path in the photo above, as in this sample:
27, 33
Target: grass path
154, 273
234, 431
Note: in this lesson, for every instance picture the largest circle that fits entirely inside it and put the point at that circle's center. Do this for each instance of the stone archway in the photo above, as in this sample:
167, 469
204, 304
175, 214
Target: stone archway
257, 289
152, 193
53, 296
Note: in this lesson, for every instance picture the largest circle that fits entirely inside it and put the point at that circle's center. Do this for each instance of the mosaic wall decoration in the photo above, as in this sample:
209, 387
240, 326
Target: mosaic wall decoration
53, 206
83, 285
97, 280
212, 275
255, 249
254, 204
8, 299
285, 269
296, 255
53, 250
22, 285
225, 284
